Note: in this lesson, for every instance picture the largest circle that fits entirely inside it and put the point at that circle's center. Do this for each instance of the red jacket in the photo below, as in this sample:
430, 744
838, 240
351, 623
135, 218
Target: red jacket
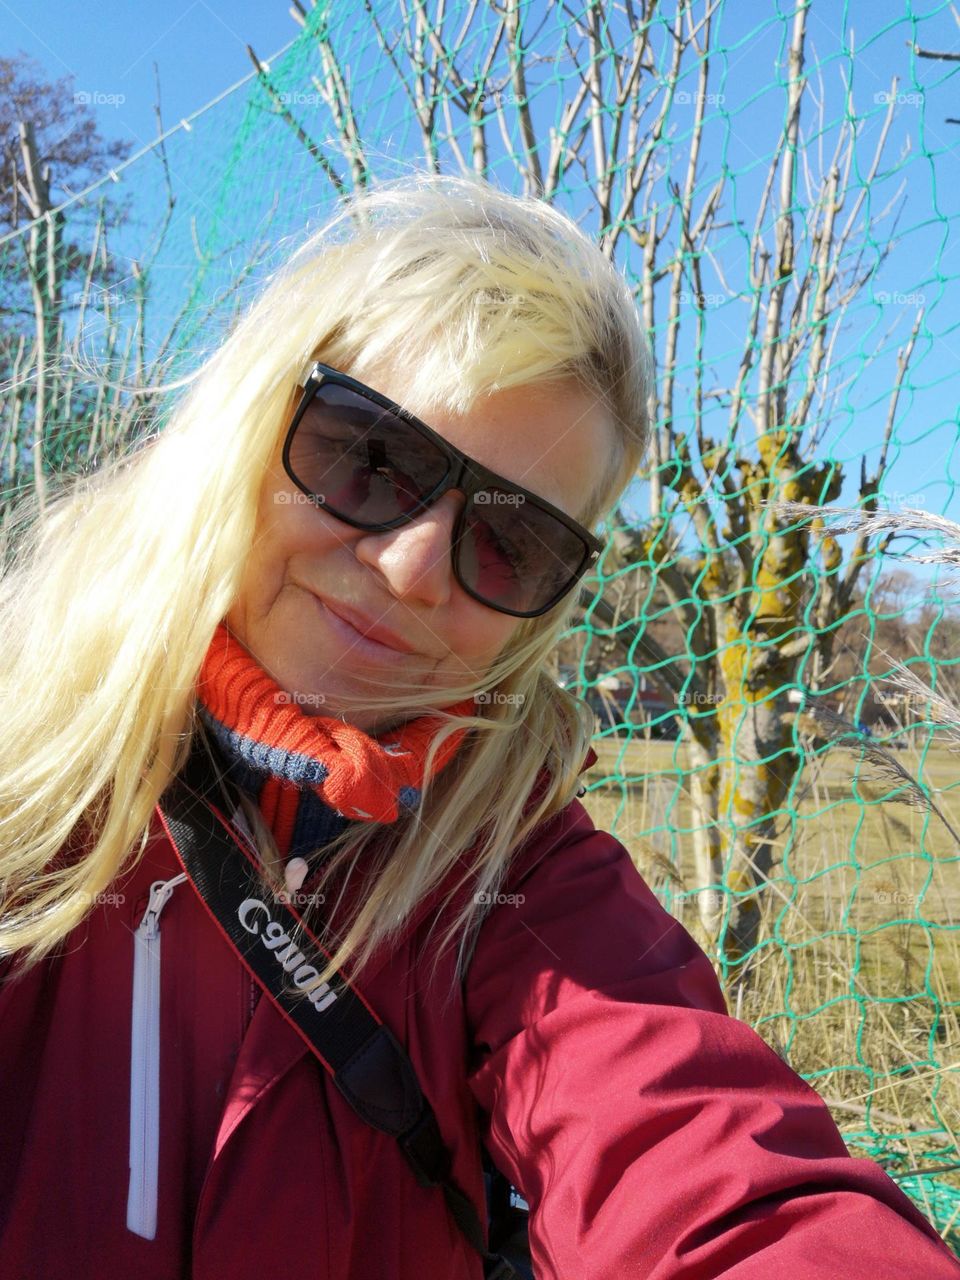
654, 1136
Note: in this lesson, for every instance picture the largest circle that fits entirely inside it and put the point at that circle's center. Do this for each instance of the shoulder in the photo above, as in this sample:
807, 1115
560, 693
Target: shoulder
576, 918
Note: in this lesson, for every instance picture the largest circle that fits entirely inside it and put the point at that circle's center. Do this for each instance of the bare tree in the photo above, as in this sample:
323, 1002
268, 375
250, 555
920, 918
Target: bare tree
50, 143
66, 145
59, 414
743, 599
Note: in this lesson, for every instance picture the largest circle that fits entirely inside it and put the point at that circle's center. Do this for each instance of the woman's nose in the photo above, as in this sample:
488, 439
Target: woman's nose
416, 559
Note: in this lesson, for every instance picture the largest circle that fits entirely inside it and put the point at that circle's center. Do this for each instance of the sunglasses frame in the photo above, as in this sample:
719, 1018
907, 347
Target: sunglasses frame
463, 473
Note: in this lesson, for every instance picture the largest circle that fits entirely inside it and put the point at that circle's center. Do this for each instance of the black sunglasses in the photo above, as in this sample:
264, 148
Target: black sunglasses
375, 466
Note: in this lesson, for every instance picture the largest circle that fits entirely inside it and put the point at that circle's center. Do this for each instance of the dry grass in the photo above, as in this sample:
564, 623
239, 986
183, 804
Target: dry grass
857, 984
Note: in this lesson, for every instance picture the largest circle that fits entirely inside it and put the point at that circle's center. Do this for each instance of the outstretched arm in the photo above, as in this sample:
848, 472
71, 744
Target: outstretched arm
652, 1134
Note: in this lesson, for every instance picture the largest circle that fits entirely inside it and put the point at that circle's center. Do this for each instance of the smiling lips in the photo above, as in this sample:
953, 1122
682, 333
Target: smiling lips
370, 630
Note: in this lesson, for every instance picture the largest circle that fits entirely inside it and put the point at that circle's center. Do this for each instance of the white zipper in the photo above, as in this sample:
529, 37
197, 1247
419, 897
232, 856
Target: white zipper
145, 1065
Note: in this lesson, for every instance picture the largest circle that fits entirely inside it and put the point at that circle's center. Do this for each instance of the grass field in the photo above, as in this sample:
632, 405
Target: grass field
858, 978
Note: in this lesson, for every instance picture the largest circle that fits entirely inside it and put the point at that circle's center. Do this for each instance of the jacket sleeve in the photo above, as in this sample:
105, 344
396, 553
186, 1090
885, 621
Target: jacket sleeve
653, 1135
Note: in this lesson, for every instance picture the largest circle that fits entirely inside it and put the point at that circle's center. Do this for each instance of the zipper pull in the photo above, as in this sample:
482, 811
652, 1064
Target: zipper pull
160, 892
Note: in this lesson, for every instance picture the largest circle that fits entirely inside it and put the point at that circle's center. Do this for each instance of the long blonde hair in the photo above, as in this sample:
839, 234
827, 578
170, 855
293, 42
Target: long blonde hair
112, 594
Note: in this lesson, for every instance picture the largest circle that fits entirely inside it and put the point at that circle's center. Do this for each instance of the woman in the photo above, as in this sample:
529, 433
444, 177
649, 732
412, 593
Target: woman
333, 582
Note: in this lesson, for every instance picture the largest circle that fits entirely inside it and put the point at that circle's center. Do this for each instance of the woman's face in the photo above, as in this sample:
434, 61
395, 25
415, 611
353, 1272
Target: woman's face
305, 564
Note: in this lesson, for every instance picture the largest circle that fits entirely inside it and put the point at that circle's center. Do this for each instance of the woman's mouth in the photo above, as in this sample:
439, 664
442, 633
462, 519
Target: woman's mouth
364, 645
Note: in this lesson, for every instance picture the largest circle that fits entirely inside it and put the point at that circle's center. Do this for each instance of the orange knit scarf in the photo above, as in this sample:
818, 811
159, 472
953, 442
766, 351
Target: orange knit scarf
369, 779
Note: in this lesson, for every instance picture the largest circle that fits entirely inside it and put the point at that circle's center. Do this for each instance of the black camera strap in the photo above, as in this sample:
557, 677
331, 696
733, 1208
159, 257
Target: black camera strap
361, 1054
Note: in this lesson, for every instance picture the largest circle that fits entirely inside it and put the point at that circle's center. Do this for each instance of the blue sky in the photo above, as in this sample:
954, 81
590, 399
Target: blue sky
199, 48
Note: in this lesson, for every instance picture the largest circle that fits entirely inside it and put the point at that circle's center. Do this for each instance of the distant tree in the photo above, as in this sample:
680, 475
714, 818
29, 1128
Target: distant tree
52, 149
57, 267
69, 148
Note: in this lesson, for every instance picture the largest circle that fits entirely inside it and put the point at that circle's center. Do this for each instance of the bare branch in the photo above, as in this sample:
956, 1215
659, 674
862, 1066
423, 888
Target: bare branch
939, 54
285, 112
333, 89
532, 173
768, 371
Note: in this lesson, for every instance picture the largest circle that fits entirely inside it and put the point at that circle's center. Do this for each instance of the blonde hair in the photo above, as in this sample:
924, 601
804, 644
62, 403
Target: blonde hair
113, 592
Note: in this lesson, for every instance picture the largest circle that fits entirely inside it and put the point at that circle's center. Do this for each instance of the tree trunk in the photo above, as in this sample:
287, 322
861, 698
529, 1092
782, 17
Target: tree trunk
764, 637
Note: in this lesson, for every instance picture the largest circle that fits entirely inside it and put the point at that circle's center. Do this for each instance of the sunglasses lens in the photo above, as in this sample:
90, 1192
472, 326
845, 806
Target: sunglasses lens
361, 461
365, 464
515, 555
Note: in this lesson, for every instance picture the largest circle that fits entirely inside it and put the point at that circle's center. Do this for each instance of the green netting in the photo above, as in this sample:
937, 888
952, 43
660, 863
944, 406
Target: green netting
779, 186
